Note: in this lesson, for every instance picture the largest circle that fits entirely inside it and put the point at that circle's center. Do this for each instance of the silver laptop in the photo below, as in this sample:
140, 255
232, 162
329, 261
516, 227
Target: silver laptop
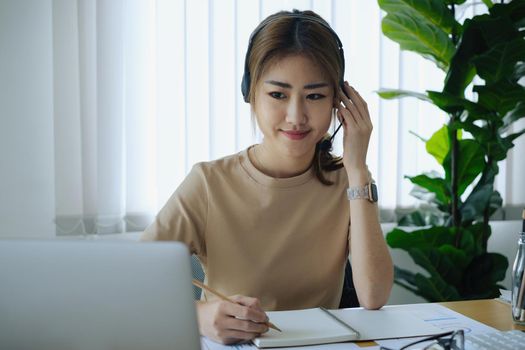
96, 295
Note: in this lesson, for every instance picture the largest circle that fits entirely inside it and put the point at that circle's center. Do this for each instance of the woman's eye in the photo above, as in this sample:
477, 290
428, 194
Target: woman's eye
277, 95
315, 96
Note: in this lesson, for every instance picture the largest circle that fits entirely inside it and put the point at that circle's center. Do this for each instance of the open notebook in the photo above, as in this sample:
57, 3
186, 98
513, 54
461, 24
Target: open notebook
320, 326
305, 327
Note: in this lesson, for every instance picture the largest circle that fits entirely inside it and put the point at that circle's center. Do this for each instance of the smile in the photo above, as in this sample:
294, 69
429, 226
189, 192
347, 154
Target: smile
295, 135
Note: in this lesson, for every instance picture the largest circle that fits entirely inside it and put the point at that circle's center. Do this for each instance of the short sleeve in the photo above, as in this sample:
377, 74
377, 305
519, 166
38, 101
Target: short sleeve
183, 218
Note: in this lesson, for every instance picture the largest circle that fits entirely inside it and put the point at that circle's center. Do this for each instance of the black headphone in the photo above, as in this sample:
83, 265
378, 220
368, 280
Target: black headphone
325, 145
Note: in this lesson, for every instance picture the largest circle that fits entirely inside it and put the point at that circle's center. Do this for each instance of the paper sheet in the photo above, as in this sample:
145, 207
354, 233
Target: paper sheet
441, 317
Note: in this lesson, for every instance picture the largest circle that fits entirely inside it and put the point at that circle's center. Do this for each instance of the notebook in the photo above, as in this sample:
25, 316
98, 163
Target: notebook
86, 295
305, 327
320, 326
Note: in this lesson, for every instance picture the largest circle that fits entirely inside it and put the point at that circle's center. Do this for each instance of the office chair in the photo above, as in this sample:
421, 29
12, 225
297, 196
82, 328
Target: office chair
348, 298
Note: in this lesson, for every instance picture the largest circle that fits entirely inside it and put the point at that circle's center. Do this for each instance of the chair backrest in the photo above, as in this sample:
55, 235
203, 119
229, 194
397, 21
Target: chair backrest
349, 296
197, 273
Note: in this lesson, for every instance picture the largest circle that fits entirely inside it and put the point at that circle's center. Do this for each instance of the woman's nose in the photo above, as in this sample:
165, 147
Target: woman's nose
296, 113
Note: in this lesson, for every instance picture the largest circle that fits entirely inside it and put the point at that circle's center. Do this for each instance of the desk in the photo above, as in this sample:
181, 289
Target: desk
491, 312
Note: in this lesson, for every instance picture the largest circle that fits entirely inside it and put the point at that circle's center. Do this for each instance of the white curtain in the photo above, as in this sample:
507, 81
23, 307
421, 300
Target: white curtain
144, 89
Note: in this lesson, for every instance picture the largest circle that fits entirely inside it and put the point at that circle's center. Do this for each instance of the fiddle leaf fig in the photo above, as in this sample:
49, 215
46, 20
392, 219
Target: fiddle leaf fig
450, 242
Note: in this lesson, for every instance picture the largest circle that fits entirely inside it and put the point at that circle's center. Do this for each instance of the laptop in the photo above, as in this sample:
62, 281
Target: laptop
76, 295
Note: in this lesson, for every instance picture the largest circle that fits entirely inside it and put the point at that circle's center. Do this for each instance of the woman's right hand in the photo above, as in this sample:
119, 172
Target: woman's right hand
229, 323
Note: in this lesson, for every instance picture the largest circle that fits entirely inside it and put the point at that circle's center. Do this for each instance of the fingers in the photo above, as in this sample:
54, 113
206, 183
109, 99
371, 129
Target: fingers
354, 106
230, 322
246, 308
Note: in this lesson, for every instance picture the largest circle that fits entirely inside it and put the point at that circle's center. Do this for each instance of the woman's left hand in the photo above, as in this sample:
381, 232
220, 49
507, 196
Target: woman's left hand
352, 111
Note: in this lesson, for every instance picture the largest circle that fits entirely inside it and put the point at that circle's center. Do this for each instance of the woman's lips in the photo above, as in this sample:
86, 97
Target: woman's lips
295, 135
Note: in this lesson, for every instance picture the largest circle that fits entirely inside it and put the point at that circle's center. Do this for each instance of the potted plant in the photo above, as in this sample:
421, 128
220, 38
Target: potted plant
449, 240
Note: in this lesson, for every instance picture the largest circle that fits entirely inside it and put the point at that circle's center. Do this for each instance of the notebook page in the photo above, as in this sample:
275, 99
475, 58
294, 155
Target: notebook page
303, 327
388, 322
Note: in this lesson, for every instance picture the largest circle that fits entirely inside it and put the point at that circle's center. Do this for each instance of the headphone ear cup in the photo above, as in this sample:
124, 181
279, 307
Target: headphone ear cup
245, 86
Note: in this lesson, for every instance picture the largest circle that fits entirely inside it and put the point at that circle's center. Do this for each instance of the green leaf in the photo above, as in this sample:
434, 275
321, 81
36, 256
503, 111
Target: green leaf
439, 144
477, 201
390, 94
498, 147
489, 3
453, 104
471, 160
419, 35
480, 34
495, 30
501, 97
455, 2
431, 288
479, 234
412, 219
428, 237
437, 185
434, 11
468, 243
438, 263
457, 257
483, 273
461, 70
435, 289
514, 10
515, 114
499, 61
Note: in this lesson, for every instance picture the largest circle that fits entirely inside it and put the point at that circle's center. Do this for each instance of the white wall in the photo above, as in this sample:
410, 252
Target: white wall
27, 203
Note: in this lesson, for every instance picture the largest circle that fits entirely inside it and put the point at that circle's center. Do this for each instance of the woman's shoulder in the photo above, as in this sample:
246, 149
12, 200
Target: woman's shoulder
225, 165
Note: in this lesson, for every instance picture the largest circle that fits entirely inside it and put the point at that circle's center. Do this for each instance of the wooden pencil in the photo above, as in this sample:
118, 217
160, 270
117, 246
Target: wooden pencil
199, 284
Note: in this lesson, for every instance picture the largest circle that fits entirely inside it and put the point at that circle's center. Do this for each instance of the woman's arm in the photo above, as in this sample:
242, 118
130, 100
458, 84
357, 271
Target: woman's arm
372, 266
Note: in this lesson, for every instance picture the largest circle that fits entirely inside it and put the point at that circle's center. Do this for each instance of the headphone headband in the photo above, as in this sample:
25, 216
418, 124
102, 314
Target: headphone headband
246, 78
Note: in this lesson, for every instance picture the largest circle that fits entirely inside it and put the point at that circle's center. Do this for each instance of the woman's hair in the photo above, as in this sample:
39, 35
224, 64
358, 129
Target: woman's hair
279, 36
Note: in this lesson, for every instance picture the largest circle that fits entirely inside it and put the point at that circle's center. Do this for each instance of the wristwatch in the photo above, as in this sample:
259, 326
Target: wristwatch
368, 191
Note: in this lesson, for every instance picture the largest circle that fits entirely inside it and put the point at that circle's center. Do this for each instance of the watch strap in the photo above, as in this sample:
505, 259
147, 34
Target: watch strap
362, 192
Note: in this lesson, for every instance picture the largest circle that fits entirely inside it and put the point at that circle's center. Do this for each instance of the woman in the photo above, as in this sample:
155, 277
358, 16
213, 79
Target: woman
274, 224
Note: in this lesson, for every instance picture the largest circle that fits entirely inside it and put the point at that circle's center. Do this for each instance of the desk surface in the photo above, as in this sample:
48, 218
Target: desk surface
491, 312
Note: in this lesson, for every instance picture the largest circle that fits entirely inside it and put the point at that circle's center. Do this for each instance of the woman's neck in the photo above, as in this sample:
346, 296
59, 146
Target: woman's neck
275, 164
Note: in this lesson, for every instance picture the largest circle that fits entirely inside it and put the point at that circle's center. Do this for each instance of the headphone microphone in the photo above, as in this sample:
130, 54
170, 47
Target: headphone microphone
326, 145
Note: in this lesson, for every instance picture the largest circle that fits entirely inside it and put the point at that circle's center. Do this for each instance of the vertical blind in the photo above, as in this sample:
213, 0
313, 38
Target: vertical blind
144, 89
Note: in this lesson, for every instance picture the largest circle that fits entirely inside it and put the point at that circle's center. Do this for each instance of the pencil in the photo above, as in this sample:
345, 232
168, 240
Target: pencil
199, 284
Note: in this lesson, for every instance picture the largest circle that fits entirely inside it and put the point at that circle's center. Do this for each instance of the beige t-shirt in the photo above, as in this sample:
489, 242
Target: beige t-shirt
282, 240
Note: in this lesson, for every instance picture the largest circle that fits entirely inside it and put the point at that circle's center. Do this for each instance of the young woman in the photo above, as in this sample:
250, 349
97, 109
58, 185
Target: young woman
274, 225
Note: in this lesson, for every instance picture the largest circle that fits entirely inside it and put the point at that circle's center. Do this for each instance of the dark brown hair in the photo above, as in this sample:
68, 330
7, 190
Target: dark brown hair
279, 36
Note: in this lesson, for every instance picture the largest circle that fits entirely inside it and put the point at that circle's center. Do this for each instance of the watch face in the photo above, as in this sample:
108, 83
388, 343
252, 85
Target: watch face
373, 192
